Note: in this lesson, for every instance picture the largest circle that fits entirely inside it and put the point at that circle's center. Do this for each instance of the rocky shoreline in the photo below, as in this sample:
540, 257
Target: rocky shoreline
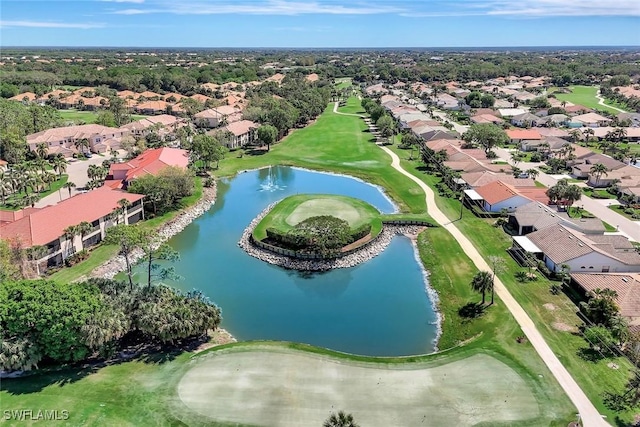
109, 269
364, 254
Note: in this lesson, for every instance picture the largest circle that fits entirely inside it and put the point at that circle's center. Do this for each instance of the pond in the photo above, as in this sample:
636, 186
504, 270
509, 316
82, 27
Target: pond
379, 308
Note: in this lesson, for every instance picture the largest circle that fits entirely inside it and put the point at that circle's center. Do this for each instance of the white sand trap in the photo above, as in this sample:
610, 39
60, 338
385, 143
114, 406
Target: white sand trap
293, 388
318, 207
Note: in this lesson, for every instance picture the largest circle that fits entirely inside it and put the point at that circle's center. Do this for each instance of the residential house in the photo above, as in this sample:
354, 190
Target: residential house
242, 133
163, 124
149, 162
25, 98
214, 117
537, 215
590, 120
527, 139
46, 226
486, 118
510, 112
559, 245
625, 285
63, 140
525, 120
497, 196
582, 165
150, 108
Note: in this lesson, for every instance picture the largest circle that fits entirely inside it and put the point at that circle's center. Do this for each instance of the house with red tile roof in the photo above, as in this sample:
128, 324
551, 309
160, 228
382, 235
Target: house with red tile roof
25, 97
200, 98
149, 162
152, 107
46, 226
497, 196
518, 135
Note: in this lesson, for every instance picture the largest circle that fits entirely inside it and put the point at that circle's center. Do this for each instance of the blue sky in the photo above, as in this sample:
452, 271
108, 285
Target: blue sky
319, 23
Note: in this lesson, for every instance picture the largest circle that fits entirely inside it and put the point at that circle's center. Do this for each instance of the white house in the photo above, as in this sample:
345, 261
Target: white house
497, 196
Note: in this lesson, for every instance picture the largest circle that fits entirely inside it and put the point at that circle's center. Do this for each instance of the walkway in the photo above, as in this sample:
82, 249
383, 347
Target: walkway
601, 102
589, 414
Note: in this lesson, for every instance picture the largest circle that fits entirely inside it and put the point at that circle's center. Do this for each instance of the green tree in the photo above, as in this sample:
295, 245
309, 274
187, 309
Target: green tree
597, 171
267, 135
482, 282
486, 135
50, 316
69, 185
601, 306
127, 237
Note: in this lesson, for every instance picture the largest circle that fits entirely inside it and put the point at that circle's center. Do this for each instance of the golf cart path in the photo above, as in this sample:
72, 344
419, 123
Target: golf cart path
589, 414
601, 102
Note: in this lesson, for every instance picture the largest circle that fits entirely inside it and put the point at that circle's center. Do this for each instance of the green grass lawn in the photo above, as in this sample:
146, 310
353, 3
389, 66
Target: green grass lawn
585, 96
294, 209
87, 117
627, 212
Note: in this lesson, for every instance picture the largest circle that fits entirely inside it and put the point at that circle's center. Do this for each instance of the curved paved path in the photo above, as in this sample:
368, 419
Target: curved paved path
589, 414
601, 102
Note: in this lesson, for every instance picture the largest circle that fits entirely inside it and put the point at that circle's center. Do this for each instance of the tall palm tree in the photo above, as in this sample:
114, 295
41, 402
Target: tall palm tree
30, 199
82, 144
588, 133
597, 171
6, 186
123, 205
70, 233
69, 185
572, 194
82, 229
42, 150
575, 135
48, 179
59, 165
533, 173
482, 282
341, 419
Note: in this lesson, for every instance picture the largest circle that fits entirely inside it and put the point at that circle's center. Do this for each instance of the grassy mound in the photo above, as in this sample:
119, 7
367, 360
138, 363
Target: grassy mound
295, 209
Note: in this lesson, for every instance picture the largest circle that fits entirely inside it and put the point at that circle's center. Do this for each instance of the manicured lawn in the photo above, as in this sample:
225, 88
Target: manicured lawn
294, 209
598, 193
585, 96
352, 107
87, 117
626, 211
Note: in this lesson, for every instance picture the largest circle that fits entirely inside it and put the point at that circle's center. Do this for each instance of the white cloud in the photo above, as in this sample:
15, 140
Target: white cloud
42, 24
271, 7
527, 8
564, 8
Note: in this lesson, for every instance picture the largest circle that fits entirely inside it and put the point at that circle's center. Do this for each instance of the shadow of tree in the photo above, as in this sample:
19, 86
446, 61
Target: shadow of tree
471, 310
589, 354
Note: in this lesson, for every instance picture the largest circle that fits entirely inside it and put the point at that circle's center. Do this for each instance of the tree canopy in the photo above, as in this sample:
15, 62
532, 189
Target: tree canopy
486, 135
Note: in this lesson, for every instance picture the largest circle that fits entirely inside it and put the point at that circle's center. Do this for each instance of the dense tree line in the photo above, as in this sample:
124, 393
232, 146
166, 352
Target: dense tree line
175, 71
164, 190
45, 321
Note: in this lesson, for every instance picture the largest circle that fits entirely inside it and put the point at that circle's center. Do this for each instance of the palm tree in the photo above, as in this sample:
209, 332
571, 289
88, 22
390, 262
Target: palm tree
6, 188
69, 185
575, 135
588, 133
82, 229
533, 173
81, 144
59, 165
341, 419
123, 205
633, 389
70, 233
42, 150
48, 179
30, 199
597, 171
482, 282
572, 194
